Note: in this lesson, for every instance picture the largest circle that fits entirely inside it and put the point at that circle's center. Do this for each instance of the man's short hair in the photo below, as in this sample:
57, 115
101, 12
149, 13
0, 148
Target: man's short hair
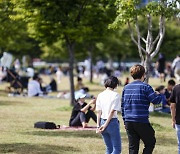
171, 82
137, 71
111, 82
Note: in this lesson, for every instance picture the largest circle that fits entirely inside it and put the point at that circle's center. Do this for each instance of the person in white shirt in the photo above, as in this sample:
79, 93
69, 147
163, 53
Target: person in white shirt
3, 74
59, 74
34, 87
176, 67
107, 105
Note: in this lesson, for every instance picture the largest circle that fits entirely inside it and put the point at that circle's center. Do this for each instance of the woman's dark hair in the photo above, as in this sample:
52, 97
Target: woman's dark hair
111, 82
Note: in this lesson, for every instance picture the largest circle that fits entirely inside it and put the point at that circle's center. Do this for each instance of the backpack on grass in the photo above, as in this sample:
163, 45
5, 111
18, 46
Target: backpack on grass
46, 125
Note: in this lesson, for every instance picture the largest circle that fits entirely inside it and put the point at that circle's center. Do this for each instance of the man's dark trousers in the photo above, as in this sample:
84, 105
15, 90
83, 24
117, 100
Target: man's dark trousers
143, 131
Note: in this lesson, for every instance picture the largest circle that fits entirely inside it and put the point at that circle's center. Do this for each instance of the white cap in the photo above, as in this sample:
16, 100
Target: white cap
79, 95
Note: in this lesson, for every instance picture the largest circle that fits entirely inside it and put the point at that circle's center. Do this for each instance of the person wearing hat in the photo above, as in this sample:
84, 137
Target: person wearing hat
82, 111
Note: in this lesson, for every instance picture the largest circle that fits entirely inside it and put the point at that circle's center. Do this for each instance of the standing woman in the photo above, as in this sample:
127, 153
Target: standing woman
107, 105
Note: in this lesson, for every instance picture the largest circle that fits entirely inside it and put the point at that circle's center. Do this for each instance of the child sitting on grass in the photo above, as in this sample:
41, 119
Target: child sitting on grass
164, 104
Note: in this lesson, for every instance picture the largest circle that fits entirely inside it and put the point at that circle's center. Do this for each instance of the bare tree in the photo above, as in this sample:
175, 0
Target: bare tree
130, 11
152, 45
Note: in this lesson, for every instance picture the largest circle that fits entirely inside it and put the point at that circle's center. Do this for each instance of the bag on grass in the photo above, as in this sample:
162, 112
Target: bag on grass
45, 125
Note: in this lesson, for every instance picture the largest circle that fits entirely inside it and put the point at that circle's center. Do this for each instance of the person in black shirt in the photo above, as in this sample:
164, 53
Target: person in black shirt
168, 90
82, 112
175, 111
161, 66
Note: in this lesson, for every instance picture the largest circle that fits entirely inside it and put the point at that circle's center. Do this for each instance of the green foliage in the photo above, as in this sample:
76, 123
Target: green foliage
171, 43
117, 45
13, 33
129, 10
49, 21
55, 52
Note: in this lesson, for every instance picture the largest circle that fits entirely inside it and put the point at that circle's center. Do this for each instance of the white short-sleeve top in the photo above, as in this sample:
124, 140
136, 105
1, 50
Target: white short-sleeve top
107, 101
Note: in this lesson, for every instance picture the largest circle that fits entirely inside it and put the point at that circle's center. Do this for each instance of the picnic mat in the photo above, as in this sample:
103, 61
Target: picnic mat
63, 127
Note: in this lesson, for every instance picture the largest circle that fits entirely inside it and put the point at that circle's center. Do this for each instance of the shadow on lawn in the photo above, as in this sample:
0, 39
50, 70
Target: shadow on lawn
9, 102
80, 134
3, 93
23, 148
159, 114
166, 141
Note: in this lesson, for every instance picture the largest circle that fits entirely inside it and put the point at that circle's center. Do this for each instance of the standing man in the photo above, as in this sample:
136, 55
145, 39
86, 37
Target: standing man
168, 90
136, 98
175, 111
176, 67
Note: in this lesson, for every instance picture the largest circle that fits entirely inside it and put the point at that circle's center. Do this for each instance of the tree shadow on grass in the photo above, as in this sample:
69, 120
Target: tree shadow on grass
159, 114
166, 141
67, 134
24, 148
3, 93
9, 102
95, 90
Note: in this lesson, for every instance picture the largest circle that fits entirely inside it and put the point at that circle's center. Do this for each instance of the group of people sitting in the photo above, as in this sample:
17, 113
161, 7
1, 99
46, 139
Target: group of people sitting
35, 87
164, 106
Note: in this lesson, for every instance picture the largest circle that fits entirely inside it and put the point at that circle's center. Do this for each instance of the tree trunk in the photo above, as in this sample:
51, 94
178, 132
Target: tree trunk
91, 63
70, 46
147, 65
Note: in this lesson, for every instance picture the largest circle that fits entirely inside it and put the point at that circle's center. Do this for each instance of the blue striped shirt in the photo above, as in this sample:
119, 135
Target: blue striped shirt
136, 98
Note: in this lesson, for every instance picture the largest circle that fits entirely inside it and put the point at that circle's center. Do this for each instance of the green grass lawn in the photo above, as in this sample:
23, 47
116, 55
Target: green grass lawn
18, 115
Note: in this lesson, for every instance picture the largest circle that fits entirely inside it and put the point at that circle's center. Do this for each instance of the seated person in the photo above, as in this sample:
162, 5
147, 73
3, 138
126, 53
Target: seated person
3, 74
165, 107
34, 87
127, 81
53, 84
168, 90
45, 89
82, 112
79, 84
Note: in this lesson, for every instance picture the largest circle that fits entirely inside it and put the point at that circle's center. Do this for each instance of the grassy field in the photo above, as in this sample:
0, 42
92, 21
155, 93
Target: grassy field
18, 115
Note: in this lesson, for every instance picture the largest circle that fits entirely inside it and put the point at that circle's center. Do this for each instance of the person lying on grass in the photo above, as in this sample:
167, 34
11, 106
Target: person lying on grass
82, 112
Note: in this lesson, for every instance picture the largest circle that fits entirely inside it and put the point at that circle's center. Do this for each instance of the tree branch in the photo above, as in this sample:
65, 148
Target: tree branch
144, 40
139, 37
156, 39
161, 35
136, 42
149, 35
140, 48
80, 11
